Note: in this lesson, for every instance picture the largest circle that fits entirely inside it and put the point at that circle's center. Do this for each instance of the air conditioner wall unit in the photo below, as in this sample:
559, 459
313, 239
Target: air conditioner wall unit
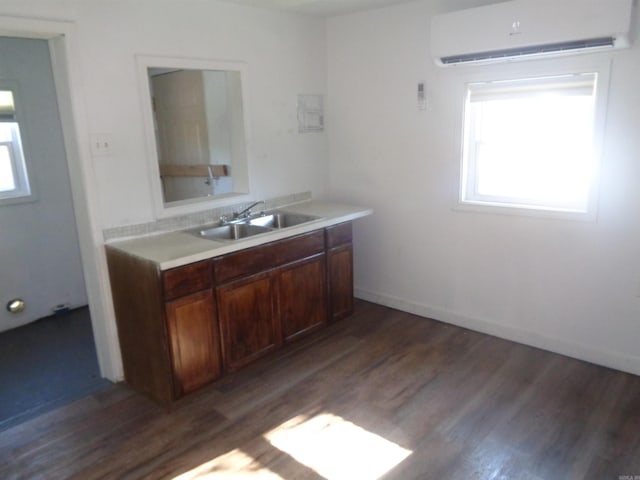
521, 29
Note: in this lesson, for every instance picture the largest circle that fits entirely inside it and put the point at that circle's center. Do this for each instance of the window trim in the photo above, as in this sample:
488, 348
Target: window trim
24, 191
594, 63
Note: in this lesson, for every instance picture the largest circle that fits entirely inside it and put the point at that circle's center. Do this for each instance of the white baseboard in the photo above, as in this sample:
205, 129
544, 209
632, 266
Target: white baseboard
615, 360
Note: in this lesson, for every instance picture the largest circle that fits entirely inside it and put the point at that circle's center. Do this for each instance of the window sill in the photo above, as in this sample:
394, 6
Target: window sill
521, 211
18, 199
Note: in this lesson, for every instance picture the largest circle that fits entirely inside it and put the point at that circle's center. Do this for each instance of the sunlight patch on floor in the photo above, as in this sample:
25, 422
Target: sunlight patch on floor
336, 448
235, 465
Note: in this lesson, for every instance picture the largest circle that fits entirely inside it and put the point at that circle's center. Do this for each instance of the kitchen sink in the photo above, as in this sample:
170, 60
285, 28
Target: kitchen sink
281, 219
253, 225
233, 231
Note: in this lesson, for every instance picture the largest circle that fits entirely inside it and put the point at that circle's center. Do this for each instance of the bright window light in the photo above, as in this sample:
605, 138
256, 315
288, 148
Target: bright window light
6, 101
333, 447
14, 181
336, 448
7, 176
529, 143
235, 465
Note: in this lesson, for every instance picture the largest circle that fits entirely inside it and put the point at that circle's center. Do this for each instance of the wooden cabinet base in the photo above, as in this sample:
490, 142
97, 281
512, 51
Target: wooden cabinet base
183, 328
247, 320
302, 294
195, 347
340, 271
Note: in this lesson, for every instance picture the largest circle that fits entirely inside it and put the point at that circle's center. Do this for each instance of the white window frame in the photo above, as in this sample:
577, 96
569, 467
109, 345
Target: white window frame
23, 191
597, 64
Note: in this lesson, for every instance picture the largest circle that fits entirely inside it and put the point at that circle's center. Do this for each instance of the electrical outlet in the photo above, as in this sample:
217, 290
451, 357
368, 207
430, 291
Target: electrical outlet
101, 144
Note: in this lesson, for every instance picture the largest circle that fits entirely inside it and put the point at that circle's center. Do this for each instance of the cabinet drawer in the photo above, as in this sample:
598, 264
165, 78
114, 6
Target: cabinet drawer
297, 248
240, 264
339, 235
265, 257
188, 279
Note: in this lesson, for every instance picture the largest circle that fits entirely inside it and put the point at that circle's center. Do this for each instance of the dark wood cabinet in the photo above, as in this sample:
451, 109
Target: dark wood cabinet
340, 271
302, 297
270, 294
177, 282
182, 328
192, 326
340, 268
193, 335
167, 325
248, 317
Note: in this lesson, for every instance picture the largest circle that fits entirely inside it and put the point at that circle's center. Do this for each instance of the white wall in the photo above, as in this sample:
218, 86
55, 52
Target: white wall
285, 56
573, 287
39, 250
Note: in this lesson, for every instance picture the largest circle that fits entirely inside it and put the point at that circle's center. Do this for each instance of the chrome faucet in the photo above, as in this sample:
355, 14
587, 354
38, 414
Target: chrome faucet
211, 177
247, 211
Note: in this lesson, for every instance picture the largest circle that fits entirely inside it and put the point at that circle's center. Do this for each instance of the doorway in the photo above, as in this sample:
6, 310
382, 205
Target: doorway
39, 247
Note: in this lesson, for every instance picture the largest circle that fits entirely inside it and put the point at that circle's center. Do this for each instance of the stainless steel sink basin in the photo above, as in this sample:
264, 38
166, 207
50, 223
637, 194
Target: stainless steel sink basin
233, 231
254, 225
281, 219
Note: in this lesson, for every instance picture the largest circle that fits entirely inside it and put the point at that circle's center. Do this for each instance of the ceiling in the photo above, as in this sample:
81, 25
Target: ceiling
323, 8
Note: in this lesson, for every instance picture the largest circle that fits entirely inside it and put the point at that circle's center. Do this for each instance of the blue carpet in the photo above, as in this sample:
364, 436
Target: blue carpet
46, 364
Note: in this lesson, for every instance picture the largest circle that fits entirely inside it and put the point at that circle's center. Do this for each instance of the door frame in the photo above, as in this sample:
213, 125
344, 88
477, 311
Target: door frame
65, 62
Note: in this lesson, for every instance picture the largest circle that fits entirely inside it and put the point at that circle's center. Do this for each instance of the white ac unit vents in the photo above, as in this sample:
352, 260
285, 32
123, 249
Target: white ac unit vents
529, 28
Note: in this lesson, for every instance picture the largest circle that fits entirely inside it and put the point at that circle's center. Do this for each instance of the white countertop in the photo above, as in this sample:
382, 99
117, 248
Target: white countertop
174, 249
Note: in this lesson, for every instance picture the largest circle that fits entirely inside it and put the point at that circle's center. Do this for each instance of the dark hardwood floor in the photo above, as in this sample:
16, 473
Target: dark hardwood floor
382, 394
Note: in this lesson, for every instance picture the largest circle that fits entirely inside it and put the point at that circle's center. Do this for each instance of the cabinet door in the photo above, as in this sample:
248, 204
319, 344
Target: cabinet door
302, 297
340, 267
195, 352
248, 320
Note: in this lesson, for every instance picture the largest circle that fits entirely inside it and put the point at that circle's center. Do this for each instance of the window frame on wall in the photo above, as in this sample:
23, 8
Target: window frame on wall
537, 73
18, 188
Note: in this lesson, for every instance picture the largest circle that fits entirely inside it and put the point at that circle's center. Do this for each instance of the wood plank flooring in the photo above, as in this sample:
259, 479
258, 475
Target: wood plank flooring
382, 394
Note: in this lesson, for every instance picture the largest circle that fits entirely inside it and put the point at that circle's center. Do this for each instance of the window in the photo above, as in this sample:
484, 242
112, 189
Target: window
14, 181
529, 143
